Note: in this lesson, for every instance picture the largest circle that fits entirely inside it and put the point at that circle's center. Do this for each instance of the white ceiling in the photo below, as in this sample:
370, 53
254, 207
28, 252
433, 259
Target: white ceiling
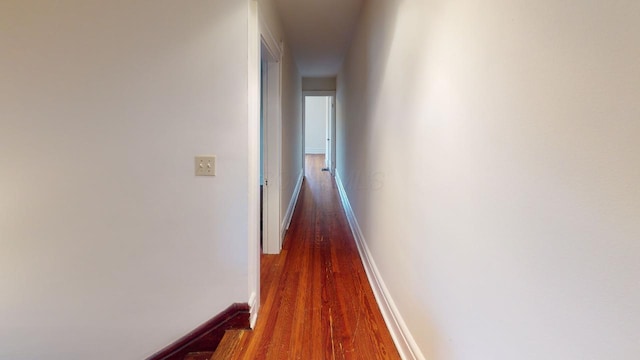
319, 32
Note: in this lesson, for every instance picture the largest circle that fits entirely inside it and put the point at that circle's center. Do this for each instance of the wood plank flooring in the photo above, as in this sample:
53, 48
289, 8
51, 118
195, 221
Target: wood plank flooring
316, 300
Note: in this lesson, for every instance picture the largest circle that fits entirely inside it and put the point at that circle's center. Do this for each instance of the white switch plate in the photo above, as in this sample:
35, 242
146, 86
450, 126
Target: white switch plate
206, 165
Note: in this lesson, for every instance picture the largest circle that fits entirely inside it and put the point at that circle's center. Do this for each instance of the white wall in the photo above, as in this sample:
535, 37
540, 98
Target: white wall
490, 151
315, 125
110, 248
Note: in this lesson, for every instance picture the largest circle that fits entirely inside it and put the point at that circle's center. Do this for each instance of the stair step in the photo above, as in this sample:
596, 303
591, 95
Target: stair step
201, 355
229, 344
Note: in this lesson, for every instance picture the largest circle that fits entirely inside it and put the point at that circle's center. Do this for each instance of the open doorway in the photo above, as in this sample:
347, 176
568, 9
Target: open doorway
319, 126
263, 95
270, 145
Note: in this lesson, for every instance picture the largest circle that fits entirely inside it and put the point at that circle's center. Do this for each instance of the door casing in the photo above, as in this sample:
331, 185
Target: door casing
332, 126
272, 54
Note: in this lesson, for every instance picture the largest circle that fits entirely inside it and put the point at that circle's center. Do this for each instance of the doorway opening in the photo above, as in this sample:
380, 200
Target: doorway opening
270, 146
263, 90
319, 126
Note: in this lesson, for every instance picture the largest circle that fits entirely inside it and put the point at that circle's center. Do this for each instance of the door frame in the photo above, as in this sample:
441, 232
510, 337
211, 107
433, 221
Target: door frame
259, 36
332, 126
253, 183
272, 242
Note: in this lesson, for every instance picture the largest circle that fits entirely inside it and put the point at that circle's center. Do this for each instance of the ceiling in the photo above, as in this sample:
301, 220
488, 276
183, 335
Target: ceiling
319, 32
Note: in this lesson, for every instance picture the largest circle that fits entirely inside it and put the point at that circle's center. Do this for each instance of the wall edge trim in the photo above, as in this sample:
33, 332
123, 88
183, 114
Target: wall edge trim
292, 206
253, 312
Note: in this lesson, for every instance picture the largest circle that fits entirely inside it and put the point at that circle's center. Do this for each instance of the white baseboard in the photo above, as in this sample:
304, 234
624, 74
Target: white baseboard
292, 206
401, 335
315, 151
253, 309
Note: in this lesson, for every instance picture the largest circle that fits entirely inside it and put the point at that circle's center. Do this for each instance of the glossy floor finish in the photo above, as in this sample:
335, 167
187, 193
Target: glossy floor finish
316, 300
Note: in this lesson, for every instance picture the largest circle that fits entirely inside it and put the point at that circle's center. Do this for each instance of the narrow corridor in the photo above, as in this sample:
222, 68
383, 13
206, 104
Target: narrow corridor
316, 300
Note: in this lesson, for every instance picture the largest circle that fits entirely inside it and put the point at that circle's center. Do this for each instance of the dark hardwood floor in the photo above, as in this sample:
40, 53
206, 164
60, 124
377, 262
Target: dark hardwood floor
316, 300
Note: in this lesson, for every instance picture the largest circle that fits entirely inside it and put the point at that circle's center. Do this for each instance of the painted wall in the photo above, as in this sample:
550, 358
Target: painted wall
319, 84
315, 131
110, 247
490, 151
292, 154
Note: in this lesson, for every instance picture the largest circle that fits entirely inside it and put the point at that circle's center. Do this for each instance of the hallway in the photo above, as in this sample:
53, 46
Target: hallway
316, 300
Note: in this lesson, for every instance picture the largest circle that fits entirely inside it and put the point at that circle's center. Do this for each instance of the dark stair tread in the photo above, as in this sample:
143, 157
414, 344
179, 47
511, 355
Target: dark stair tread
229, 344
200, 355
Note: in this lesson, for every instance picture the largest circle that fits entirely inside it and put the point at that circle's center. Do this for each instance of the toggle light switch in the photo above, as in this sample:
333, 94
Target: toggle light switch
206, 165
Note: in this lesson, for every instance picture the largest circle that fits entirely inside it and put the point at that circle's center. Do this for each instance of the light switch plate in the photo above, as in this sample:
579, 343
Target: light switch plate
206, 165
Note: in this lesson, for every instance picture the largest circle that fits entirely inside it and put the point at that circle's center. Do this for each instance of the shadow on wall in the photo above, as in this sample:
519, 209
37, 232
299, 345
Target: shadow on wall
376, 100
367, 86
375, 76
